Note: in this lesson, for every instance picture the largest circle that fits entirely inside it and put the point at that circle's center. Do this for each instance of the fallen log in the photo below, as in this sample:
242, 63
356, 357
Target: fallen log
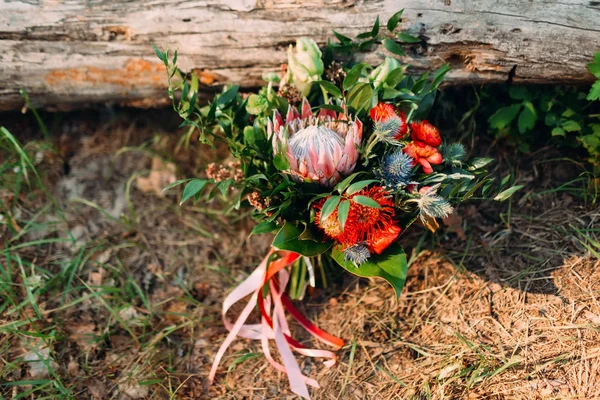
67, 54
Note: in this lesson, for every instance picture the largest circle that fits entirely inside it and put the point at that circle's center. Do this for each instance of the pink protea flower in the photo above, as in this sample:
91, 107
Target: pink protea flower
321, 148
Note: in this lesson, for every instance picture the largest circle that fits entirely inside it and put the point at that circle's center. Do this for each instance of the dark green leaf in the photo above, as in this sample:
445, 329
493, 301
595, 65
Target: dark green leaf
263, 227
224, 185
228, 96
160, 54
288, 238
330, 88
406, 38
329, 207
353, 75
393, 47
340, 187
504, 116
359, 96
355, 187
556, 131
192, 188
343, 39
176, 183
439, 75
343, 210
394, 20
366, 201
375, 30
504, 195
391, 266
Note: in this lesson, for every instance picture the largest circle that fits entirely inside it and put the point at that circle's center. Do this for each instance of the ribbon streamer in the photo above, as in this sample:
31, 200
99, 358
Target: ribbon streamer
274, 324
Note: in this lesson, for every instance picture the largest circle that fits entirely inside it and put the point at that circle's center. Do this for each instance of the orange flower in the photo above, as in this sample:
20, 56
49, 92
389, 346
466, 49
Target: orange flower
425, 132
375, 227
389, 121
424, 155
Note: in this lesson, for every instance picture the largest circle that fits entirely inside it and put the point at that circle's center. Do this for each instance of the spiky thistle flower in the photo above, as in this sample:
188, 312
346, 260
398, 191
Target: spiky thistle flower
390, 123
432, 204
357, 254
397, 169
453, 154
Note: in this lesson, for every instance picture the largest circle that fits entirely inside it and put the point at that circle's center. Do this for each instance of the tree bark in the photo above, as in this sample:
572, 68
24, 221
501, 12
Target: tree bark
69, 53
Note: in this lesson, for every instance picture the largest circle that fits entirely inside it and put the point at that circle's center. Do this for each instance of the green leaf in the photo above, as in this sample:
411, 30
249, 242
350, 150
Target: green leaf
176, 183
594, 68
331, 107
343, 39
281, 162
391, 266
228, 95
527, 117
340, 187
518, 93
366, 201
224, 185
329, 207
375, 30
505, 194
353, 75
393, 47
406, 38
355, 187
479, 162
359, 96
343, 210
504, 116
558, 131
330, 88
263, 227
160, 54
439, 75
288, 238
594, 93
571, 126
192, 188
394, 20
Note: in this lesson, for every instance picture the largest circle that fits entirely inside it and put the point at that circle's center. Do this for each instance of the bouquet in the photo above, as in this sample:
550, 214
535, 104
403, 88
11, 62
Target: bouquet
338, 160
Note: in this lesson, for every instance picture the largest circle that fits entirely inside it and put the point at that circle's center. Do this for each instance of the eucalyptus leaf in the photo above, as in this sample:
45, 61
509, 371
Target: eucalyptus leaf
506, 194
329, 207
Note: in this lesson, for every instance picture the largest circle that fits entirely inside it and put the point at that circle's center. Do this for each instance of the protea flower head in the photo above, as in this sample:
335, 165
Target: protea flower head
321, 148
424, 155
390, 123
372, 227
425, 132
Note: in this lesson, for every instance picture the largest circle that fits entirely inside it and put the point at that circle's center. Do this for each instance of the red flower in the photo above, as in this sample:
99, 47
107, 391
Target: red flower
425, 132
374, 226
424, 155
389, 120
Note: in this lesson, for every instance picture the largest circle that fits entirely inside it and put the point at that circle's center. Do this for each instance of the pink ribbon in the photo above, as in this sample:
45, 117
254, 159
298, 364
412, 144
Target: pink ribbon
274, 322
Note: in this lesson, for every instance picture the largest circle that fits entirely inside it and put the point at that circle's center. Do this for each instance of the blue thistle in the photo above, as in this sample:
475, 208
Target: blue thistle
397, 169
453, 154
357, 254
434, 205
